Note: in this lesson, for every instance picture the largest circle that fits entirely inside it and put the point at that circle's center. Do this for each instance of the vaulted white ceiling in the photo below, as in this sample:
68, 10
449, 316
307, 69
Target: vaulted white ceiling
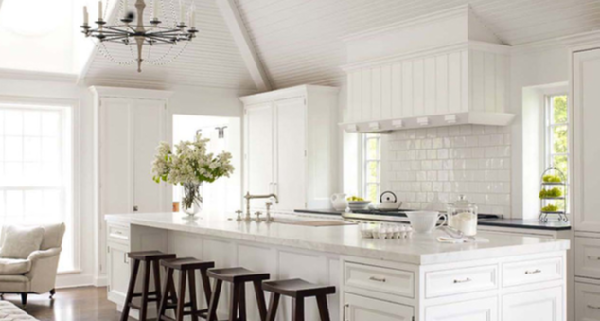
299, 41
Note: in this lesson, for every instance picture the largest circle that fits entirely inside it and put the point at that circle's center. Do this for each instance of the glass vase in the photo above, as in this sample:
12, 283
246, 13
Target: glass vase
192, 201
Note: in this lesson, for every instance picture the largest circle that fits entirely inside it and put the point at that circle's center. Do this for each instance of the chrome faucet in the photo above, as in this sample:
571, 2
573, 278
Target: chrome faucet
249, 197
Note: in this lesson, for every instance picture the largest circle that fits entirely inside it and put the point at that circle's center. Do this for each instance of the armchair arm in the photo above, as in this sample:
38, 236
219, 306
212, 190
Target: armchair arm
36, 255
44, 266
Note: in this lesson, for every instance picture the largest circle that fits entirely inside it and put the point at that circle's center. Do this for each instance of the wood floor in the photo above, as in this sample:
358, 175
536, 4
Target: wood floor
79, 304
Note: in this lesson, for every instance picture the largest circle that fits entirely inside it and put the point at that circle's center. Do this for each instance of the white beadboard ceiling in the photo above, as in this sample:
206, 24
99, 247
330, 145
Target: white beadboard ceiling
212, 59
299, 41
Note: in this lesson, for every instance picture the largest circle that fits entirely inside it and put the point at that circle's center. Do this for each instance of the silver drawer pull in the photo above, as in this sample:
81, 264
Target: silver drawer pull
462, 281
593, 257
533, 272
593, 307
378, 279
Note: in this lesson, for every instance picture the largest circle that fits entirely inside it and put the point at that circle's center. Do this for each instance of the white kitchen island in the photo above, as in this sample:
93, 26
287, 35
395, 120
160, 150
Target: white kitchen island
509, 278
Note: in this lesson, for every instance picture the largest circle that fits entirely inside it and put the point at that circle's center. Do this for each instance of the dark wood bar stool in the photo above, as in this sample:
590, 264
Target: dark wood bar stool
187, 267
237, 277
150, 259
298, 289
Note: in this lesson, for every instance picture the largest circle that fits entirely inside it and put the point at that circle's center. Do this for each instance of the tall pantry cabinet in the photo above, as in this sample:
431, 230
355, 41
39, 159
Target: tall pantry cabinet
129, 124
290, 146
586, 181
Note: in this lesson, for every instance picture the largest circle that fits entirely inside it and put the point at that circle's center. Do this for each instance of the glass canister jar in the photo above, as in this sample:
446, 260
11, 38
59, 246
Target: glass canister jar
462, 216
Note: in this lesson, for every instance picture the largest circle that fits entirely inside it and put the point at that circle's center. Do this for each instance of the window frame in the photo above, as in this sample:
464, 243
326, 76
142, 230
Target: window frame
73, 107
548, 127
365, 161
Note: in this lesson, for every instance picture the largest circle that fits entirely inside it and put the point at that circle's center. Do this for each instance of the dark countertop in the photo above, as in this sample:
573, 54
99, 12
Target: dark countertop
514, 223
528, 224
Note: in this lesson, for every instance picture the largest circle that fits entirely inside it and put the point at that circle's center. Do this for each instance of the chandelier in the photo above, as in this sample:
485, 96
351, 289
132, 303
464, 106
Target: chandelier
133, 32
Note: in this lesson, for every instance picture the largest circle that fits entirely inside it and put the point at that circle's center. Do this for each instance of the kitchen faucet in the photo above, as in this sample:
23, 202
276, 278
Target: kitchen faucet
249, 197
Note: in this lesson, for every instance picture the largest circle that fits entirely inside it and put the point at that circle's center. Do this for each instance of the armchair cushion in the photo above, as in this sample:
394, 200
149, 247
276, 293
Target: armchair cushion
20, 241
14, 266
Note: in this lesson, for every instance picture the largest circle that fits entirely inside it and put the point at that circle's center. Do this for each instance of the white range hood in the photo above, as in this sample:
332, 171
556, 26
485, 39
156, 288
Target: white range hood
443, 69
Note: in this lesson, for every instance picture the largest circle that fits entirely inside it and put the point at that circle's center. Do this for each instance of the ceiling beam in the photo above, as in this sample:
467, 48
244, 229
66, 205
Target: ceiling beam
231, 14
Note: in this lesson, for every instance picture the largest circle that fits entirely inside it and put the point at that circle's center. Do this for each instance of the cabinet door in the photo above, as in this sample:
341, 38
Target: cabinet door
587, 302
586, 150
118, 272
147, 131
359, 308
290, 180
259, 149
474, 310
539, 305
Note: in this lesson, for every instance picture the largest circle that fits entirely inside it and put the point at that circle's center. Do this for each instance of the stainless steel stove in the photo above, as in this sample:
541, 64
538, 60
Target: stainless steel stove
392, 215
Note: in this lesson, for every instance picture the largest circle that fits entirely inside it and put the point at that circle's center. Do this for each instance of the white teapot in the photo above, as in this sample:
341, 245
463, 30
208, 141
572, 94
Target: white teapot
338, 201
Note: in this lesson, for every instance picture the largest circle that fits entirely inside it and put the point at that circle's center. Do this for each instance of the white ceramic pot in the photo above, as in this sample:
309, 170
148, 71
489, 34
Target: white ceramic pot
338, 201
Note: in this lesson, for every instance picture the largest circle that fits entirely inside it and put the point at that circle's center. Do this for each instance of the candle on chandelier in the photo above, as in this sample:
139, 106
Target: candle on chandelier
100, 10
155, 9
125, 5
181, 12
86, 17
192, 16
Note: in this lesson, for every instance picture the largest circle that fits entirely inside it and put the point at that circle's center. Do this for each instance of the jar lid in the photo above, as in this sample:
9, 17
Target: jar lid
462, 201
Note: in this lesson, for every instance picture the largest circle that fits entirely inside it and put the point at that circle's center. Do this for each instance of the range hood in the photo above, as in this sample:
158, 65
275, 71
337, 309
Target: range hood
442, 69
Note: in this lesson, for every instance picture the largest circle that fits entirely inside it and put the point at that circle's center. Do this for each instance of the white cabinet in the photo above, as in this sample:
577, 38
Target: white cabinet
542, 305
119, 271
474, 310
586, 150
130, 123
290, 146
587, 302
359, 308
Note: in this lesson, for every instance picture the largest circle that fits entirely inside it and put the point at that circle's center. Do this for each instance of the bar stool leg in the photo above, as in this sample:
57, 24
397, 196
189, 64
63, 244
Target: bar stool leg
214, 302
145, 286
322, 305
273, 306
162, 307
130, 289
298, 309
235, 301
157, 284
181, 303
193, 300
242, 303
206, 286
260, 300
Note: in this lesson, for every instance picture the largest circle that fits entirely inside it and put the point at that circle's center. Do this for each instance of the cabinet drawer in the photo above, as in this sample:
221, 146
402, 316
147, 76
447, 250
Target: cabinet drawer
360, 308
118, 233
587, 302
481, 309
379, 279
458, 281
532, 271
587, 257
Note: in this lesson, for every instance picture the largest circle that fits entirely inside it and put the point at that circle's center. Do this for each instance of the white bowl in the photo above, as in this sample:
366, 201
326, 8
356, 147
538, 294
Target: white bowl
359, 205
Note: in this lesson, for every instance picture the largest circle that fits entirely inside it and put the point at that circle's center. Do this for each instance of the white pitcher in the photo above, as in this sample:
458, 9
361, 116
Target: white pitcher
338, 201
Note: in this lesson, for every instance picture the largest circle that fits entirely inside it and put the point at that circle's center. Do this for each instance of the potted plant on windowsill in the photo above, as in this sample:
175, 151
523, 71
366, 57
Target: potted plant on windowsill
190, 166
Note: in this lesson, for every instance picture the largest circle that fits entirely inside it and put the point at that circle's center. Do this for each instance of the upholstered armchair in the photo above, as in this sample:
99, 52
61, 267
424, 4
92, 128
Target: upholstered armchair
37, 272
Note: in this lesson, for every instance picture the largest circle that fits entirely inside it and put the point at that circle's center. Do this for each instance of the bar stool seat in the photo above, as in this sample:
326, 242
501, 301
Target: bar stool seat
238, 277
151, 263
298, 289
187, 267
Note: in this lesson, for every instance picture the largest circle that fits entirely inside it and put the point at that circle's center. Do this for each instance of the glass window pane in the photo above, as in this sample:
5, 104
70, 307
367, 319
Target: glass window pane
13, 151
1, 148
560, 139
562, 163
32, 123
33, 149
14, 174
373, 148
14, 203
372, 172
50, 124
13, 120
372, 193
50, 149
560, 110
34, 203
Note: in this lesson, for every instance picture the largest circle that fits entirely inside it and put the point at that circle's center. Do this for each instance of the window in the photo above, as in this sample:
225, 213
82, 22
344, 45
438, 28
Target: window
36, 172
372, 165
557, 135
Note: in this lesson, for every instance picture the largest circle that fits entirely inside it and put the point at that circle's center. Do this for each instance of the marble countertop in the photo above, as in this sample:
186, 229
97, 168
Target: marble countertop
346, 239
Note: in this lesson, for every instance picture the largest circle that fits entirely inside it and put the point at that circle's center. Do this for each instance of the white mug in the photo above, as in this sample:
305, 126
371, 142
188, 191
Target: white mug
424, 222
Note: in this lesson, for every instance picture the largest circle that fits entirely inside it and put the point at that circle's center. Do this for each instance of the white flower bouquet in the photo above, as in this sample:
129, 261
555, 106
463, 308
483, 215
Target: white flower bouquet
190, 166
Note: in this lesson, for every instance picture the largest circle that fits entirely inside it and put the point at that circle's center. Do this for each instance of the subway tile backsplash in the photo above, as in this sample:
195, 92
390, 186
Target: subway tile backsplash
428, 168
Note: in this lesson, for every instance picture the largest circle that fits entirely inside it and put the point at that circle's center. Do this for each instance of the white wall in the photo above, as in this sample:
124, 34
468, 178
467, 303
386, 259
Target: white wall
541, 67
